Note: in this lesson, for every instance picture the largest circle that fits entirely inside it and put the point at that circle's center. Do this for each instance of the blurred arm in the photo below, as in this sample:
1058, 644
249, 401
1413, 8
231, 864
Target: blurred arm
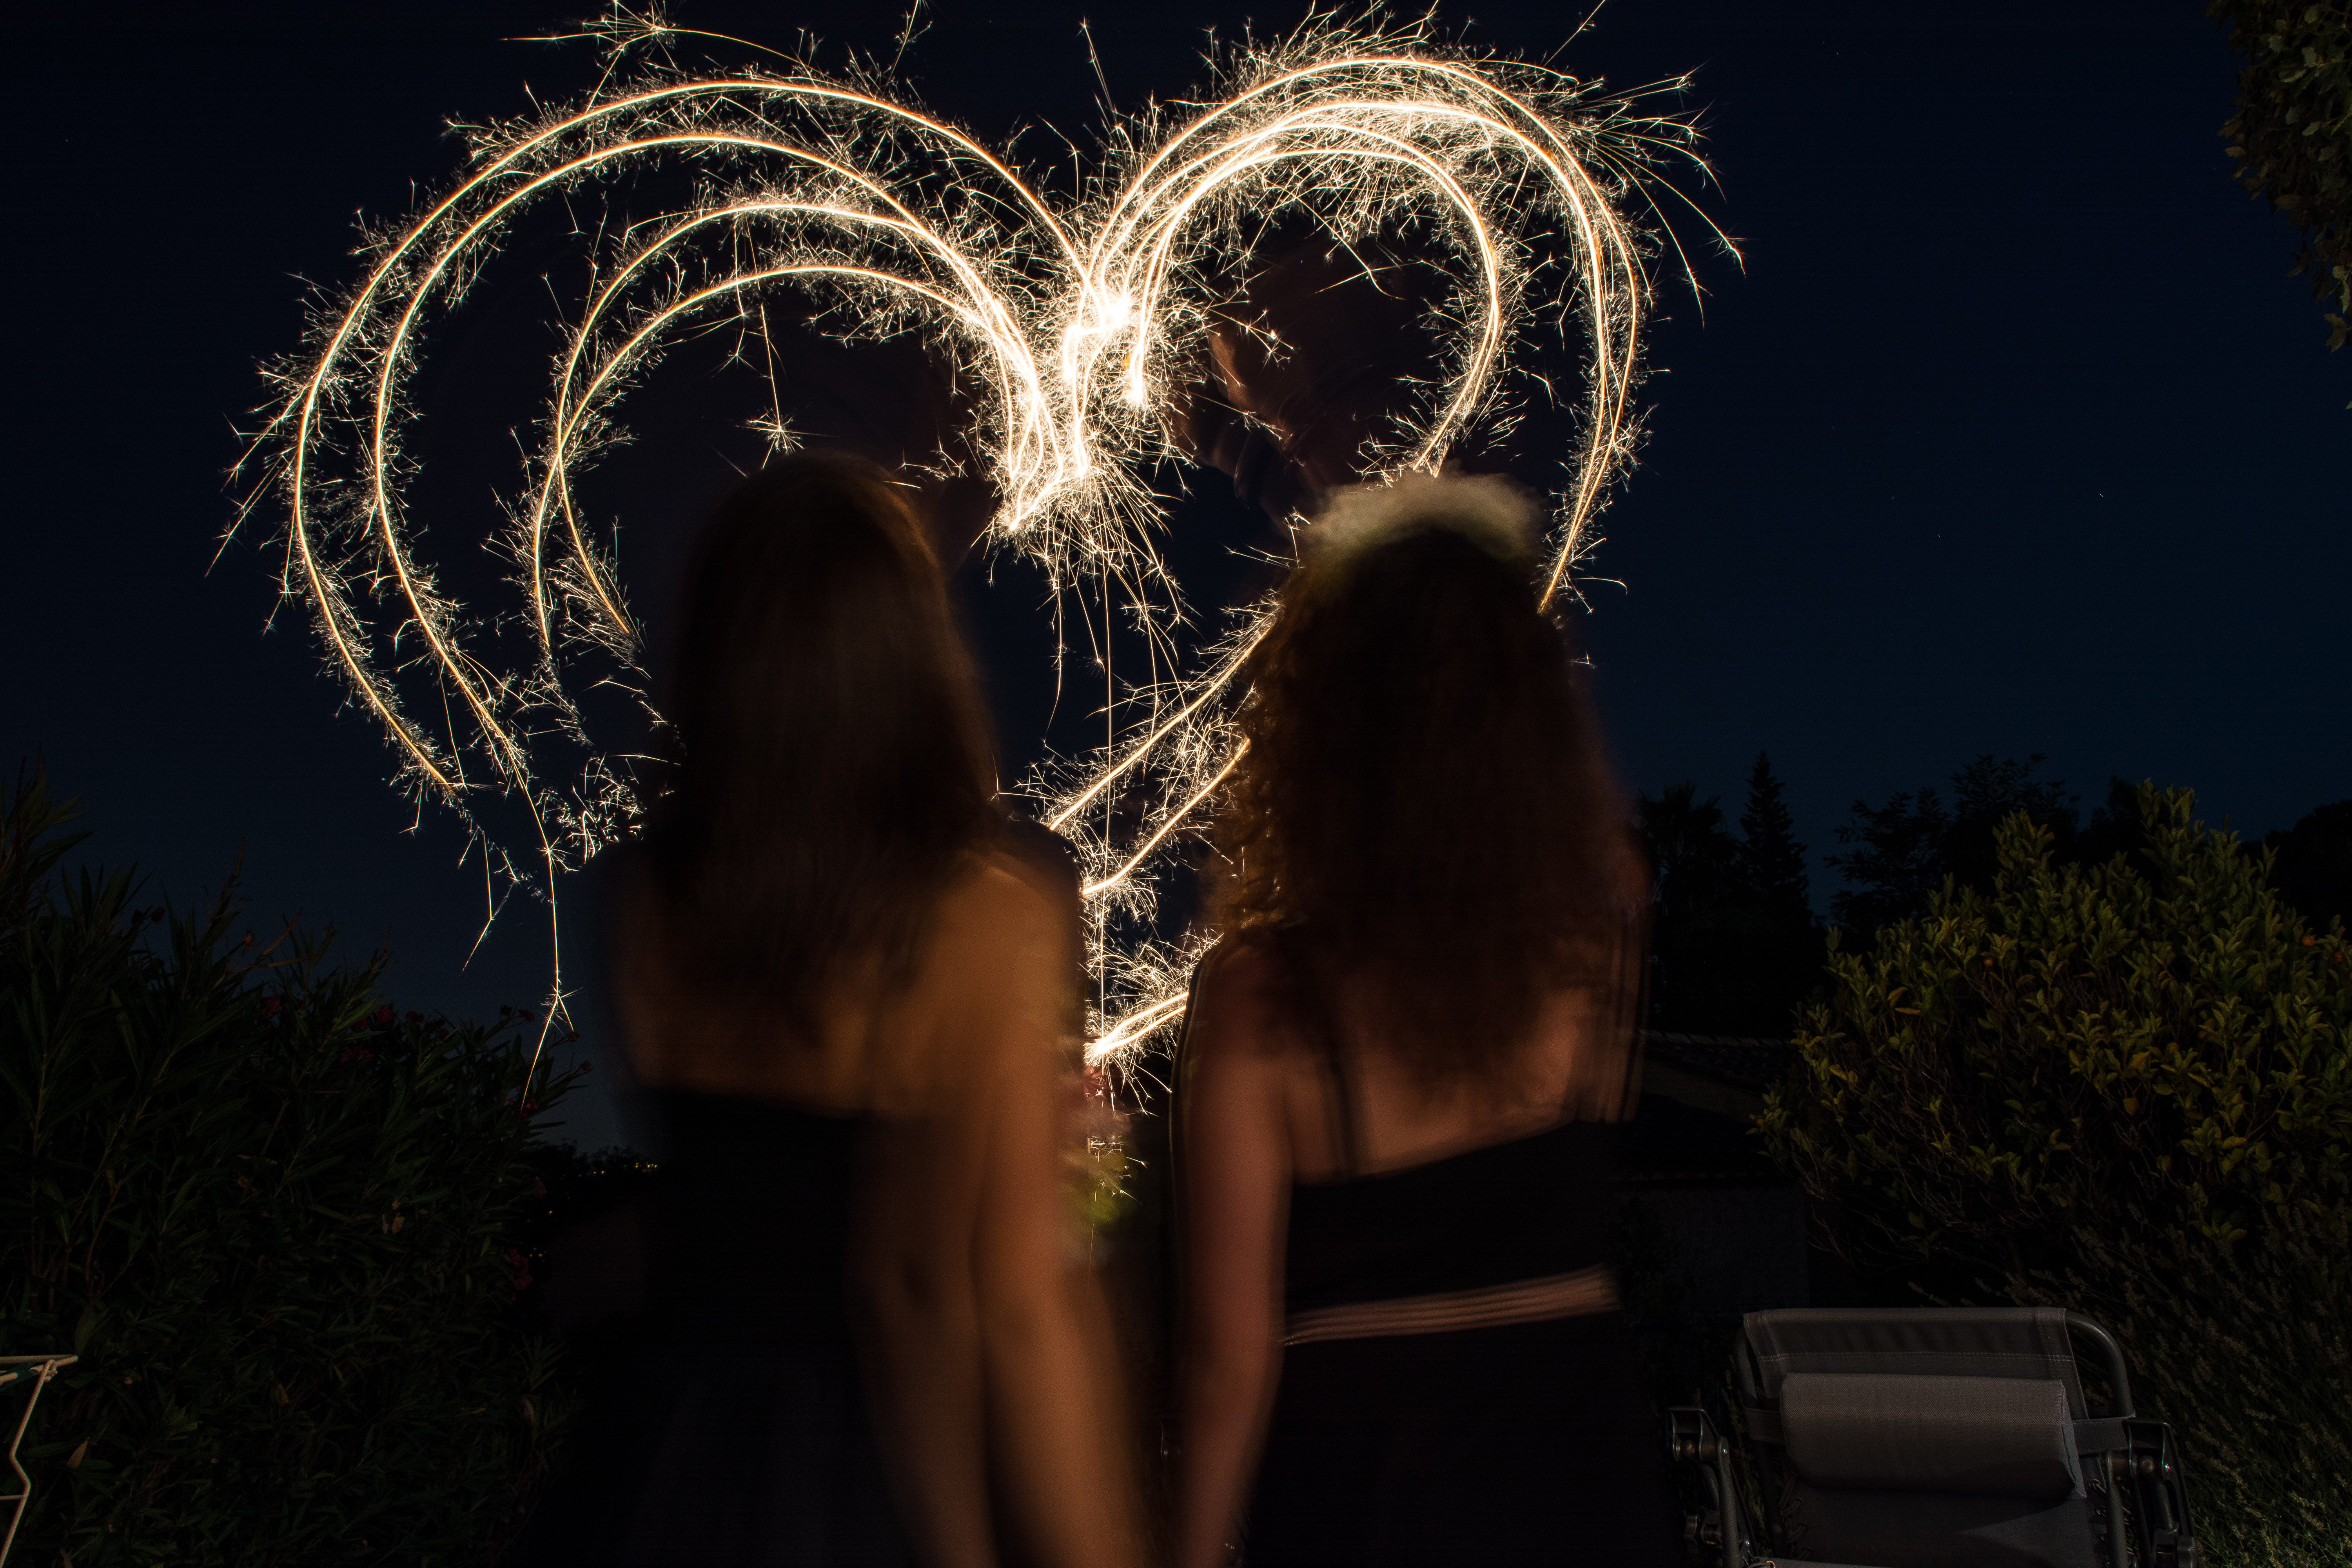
1233, 1170
921, 1326
1058, 1448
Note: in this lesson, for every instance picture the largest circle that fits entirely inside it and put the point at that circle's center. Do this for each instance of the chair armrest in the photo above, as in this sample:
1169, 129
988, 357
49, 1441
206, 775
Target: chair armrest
2159, 1494
1716, 1537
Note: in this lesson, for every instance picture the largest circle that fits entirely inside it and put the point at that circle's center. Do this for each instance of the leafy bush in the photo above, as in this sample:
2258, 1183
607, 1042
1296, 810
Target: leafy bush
2292, 130
2126, 1088
2246, 1348
2159, 1035
277, 1225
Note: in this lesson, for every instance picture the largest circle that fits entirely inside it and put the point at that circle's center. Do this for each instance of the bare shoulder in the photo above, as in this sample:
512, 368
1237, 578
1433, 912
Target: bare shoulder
994, 906
1237, 1011
1001, 970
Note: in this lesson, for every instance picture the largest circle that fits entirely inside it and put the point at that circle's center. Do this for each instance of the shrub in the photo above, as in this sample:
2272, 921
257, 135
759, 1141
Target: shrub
2294, 120
2246, 1348
2161, 1035
2125, 1088
276, 1223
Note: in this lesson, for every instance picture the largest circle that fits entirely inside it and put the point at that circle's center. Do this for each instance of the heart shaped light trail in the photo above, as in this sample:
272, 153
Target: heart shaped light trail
1071, 323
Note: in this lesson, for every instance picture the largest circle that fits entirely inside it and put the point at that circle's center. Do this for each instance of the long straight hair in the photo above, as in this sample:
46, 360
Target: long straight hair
1424, 804
832, 772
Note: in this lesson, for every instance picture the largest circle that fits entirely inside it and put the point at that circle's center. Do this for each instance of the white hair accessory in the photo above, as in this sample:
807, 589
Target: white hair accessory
1488, 510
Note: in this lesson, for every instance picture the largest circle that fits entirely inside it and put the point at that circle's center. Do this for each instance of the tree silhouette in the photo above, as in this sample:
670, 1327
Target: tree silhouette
1904, 848
1774, 860
1898, 861
2314, 864
1733, 942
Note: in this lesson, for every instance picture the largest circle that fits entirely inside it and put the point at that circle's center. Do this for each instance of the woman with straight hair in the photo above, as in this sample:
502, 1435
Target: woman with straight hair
848, 1007
1401, 1342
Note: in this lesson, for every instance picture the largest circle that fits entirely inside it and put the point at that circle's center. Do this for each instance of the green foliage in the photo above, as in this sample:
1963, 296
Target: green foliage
276, 1223
2292, 134
2246, 1348
2159, 1034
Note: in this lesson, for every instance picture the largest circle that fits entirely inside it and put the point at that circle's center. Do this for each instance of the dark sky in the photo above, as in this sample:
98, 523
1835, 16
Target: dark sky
2012, 437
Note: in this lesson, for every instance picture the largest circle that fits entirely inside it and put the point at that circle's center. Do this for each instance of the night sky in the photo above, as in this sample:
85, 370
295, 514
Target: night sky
2013, 436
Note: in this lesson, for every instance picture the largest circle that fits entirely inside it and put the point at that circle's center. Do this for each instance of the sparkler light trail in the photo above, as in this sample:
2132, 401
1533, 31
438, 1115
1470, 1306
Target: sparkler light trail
1072, 326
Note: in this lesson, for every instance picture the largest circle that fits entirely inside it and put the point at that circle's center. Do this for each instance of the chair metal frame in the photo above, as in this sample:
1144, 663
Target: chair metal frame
2147, 1459
14, 1369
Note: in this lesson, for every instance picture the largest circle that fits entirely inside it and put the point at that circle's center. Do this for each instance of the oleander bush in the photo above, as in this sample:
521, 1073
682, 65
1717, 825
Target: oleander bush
2245, 1346
2128, 1087
2160, 1034
282, 1227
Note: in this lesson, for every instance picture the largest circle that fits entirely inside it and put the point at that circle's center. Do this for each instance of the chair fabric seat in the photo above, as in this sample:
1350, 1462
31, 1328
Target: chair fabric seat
2008, 1436
1919, 1437
1935, 1530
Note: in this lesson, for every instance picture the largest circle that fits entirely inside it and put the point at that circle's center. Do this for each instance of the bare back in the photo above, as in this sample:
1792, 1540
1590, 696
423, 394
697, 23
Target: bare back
992, 976
1393, 1116
990, 1377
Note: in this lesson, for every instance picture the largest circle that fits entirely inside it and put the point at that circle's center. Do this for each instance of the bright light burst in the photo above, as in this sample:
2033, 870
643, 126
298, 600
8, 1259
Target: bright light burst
1072, 324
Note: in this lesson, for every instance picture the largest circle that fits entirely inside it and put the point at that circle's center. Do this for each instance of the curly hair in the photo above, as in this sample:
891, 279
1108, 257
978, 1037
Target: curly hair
1424, 804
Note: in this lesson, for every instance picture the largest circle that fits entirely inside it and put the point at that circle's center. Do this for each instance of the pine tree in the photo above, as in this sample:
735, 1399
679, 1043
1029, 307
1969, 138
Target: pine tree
1774, 860
1733, 940
1695, 908
1904, 849
1897, 862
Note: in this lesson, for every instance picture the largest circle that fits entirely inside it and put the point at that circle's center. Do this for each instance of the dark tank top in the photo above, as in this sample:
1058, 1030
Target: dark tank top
734, 1431
752, 1232
1527, 1209
1531, 1208
1457, 1386
1507, 1232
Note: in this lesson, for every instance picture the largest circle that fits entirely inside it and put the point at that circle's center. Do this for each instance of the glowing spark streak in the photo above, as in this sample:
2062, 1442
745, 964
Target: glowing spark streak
394, 352
1391, 128
806, 270
1144, 747
1604, 244
330, 622
1133, 1029
1470, 387
354, 667
989, 313
1174, 820
327, 604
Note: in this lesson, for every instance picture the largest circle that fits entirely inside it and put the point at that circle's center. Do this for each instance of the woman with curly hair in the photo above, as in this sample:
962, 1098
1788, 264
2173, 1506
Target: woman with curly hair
1399, 1074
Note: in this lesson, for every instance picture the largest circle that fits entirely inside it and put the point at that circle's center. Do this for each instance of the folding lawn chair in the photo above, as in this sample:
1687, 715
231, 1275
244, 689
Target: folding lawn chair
1935, 1438
35, 1372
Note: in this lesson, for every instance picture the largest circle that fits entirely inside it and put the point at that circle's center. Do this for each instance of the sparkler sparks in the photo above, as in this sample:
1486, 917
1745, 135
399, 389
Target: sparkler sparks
1073, 325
